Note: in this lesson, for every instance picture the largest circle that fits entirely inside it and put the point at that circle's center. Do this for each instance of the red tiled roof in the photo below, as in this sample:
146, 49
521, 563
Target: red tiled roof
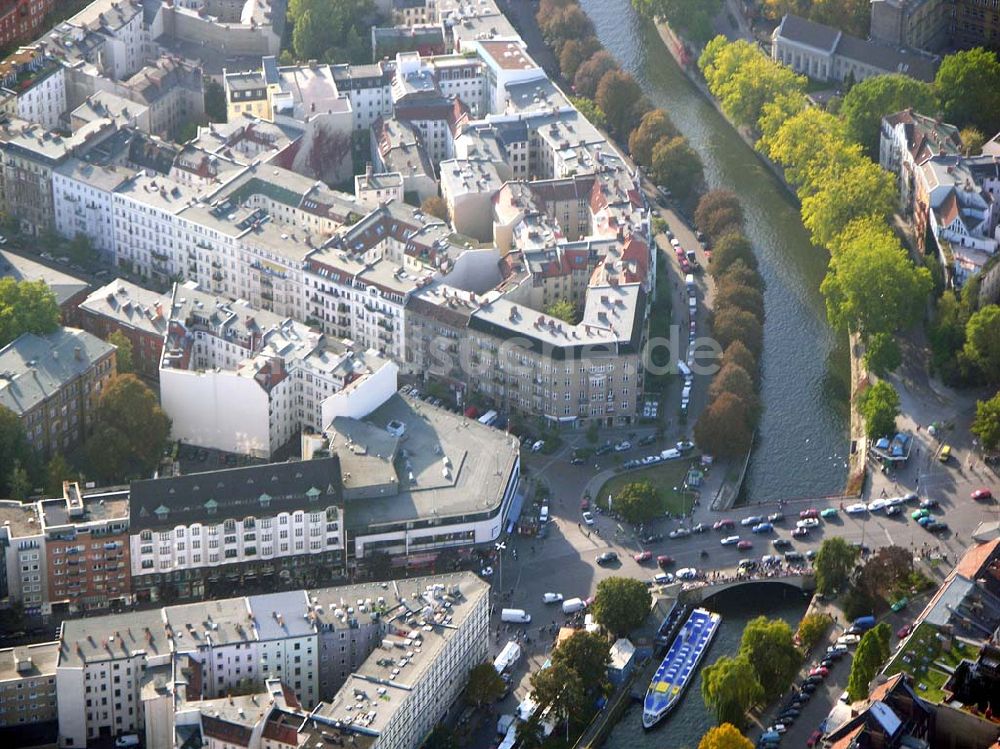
976, 558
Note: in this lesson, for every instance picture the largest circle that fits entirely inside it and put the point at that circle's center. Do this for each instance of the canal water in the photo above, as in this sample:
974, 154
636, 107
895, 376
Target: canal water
684, 728
802, 442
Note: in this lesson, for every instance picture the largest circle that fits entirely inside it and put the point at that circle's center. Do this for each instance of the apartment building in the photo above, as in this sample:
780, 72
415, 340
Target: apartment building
372, 189
137, 313
86, 550
123, 30
33, 87
52, 383
171, 672
976, 23
397, 147
28, 715
23, 574
68, 289
273, 521
244, 380
920, 24
21, 19
368, 88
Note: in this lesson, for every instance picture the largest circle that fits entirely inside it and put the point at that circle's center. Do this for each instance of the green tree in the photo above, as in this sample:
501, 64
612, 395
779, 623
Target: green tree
973, 141
589, 109
693, 18
621, 604
768, 647
677, 167
560, 689
882, 354
775, 113
874, 289
562, 24
19, 482
130, 430
441, 737
26, 307
564, 310
57, 471
862, 190
730, 688
868, 102
529, 733
655, 126
968, 89
435, 206
574, 53
485, 685
719, 213
879, 406
592, 71
833, 564
813, 148
726, 736
721, 60
758, 81
14, 447
868, 658
986, 425
637, 502
728, 249
723, 428
124, 362
982, 341
887, 567
617, 93
586, 654
732, 294
215, 100
812, 628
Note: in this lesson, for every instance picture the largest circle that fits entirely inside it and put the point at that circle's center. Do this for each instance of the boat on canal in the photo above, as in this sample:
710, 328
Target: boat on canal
679, 666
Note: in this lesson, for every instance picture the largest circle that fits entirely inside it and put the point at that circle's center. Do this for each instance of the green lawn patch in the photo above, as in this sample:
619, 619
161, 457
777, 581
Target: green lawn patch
919, 656
664, 477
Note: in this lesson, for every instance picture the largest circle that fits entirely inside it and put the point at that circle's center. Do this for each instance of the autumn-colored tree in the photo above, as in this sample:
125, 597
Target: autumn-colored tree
726, 736
723, 428
617, 94
654, 127
718, 213
678, 167
735, 380
738, 325
739, 355
592, 71
435, 206
730, 248
574, 53
730, 293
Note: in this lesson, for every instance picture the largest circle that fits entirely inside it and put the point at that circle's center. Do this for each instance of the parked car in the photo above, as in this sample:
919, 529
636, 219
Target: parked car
807, 523
623, 446
800, 532
584, 504
850, 639
858, 508
608, 557
829, 513
982, 494
762, 528
814, 739
687, 573
820, 671
679, 533
923, 512
927, 503
643, 556
904, 631
588, 518
936, 526
781, 543
775, 517
699, 528
812, 512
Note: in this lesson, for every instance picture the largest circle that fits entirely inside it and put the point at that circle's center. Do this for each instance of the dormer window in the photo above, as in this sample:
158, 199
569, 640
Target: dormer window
265, 500
313, 494
161, 512
211, 507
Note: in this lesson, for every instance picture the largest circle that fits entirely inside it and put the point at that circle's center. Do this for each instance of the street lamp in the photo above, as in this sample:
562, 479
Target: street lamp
500, 546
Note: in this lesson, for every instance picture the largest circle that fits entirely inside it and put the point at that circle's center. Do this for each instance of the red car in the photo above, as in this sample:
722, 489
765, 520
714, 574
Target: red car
800, 532
982, 494
820, 671
584, 504
664, 561
812, 512
643, 556
744, 545
727, 523
814, 739
904, 631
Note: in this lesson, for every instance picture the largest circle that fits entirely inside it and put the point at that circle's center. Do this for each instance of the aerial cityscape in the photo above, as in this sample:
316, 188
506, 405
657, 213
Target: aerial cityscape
500, 374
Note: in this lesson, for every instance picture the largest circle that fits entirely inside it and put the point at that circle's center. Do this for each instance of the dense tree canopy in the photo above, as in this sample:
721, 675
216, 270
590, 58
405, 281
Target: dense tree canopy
982, 341
723, 428
590, 109
435, 206
732, 378
587, 654
719, 213
739, 355
864, 189
734, 324
833, 564
731, 293
485, 685
879, 406
637, 502
654, 127
768, 647
559, 688
730, 688
872, 99
621, 604
574, 53
691, 17
726, 736
812, 628
677, 167
592, 71
730, 248
14, 447
986, 425
130, 430
882, 354
26, 307
124, 362
872, 652
332, 30
968, 89
617, 94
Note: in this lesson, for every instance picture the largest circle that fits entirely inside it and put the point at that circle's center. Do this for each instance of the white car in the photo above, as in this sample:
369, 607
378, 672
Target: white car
895, 501
623, 446
588, 518
877, 504
663, 578
730, 540
679, 533
552, 597
687, 573
858, 508
808, 523
848, 640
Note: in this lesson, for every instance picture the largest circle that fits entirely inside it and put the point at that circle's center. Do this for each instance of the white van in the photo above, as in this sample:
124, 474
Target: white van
572, 605
686, 392
127, 740
515, 616
543, 514
689, 282
489, 418
684, 369
537, 447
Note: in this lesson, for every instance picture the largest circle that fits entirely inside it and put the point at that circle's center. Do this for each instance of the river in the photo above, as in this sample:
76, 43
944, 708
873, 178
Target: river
689, 722
802, 441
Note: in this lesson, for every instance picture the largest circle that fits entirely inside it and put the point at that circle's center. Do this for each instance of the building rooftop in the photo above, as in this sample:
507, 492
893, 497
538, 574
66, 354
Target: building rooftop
113, 636
279, 615
29, 661
459, 177
163, 503
507, 54
474, 480
95, 508
130, 305
60, 283
105, 104
210, 623
33, 367
423, 617
20, 518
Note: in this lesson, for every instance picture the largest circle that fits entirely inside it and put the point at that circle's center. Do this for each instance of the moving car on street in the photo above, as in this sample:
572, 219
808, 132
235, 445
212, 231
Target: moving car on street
552, 597
730, 541
608, 557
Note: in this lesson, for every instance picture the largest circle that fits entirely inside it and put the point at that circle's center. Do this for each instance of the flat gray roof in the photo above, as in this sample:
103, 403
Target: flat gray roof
87, 640
22, 519
21, 268
43, 658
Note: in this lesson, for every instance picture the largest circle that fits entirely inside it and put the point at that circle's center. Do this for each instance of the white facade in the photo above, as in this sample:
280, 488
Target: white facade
45, 101
83, 206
